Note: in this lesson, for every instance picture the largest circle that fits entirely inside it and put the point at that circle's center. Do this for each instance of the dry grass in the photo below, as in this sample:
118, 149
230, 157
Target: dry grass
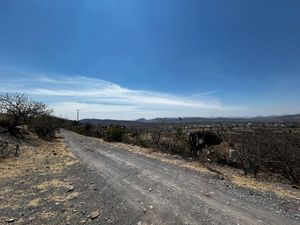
46, 158
35, 202
47, 215
53, 183
280, 190
51, 157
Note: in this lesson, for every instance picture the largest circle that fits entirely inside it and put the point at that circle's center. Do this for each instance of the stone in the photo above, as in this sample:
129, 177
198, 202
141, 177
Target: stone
95, 215
70, 189
11, 220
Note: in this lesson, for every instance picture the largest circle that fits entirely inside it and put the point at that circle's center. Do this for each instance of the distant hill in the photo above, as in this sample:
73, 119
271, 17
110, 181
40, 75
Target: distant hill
144, 122
127, 123
281, 118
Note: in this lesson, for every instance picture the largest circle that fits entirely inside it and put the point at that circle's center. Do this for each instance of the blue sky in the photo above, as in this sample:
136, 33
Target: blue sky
131, 59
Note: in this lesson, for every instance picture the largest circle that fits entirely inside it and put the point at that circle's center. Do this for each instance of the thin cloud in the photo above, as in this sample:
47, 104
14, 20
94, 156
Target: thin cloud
110, 100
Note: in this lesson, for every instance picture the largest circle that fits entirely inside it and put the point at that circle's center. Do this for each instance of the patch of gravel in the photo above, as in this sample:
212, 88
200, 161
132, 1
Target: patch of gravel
83, 200
285, 206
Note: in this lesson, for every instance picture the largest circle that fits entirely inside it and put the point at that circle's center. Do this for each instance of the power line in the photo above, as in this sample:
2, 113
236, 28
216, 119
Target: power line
224, 60
228, 69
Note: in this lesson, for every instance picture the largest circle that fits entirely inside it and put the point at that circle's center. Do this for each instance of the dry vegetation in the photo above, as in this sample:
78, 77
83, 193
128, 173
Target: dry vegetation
223, 172
265, 153
37, 155
39, 167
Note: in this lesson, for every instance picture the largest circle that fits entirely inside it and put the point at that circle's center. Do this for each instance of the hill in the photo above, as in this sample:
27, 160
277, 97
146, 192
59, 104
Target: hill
205, 120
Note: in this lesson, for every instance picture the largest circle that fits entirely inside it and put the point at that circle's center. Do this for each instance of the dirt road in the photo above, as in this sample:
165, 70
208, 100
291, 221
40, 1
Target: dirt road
160, 193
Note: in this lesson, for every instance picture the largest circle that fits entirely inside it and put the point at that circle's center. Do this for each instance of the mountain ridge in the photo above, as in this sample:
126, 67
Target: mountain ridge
172, 120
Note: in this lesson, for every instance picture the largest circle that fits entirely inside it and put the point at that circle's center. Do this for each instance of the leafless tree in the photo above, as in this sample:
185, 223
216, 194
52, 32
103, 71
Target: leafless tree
157, 134
20, 108
224, 133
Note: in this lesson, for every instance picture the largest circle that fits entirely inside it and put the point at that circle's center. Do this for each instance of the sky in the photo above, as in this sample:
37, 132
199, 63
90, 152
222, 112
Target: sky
131, 59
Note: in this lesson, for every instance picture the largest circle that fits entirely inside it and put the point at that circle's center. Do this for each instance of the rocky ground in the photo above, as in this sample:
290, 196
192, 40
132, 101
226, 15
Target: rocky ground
106, 183
46, 184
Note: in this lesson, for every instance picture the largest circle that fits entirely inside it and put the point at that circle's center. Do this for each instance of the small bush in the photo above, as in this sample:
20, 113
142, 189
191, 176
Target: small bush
114, 133
45, 127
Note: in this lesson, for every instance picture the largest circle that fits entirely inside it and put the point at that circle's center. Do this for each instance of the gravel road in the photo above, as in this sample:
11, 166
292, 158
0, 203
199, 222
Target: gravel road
155, 192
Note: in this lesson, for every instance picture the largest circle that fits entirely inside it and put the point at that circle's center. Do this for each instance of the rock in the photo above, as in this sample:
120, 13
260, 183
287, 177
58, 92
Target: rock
57, 203
150, 189
297, 216
208, 194
70, 189
95, 215
10, 220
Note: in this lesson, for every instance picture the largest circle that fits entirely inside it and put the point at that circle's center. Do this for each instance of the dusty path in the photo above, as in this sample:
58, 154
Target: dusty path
161, 193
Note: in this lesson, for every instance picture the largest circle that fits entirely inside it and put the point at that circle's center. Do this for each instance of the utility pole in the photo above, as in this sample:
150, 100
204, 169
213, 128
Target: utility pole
77, 110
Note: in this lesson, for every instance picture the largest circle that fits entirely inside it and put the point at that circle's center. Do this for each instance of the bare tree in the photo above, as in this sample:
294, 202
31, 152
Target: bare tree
20, 108
227, 138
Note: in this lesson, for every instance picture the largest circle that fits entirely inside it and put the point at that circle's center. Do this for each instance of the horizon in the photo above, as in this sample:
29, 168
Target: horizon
127, 60
188, 117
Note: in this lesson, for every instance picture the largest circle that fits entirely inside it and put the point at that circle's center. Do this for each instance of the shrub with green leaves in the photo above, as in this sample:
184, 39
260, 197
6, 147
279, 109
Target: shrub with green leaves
114, 133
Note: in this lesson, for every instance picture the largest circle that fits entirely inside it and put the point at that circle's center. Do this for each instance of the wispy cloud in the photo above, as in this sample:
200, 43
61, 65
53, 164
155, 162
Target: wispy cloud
103, 99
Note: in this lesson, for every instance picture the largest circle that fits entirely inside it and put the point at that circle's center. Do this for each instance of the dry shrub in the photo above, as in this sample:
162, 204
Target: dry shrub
261, 150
